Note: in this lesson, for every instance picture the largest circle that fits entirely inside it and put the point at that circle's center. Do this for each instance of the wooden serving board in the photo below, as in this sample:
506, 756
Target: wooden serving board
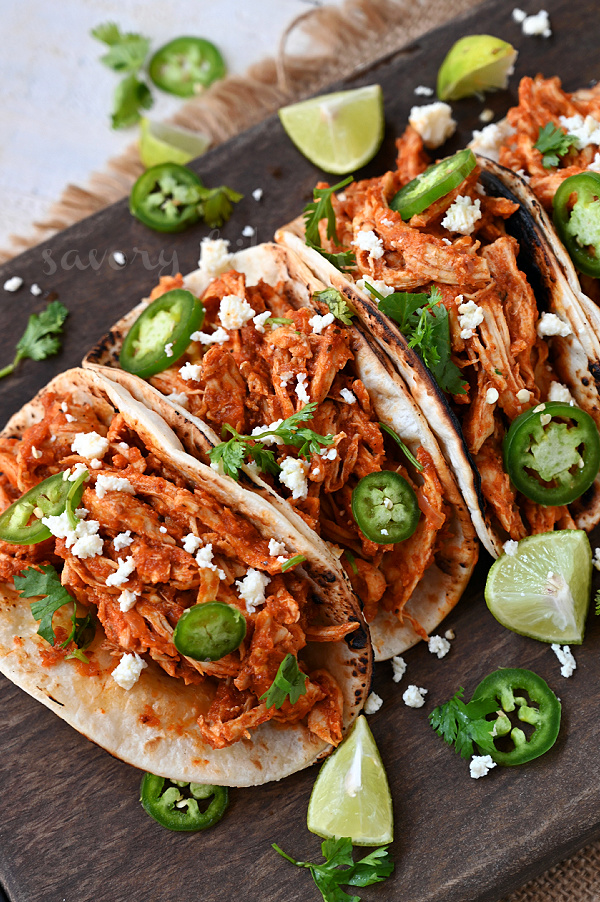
71, 827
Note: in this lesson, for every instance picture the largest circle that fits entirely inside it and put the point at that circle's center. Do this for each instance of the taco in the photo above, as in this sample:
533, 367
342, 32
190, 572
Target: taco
288, 360
174, 567
469, 281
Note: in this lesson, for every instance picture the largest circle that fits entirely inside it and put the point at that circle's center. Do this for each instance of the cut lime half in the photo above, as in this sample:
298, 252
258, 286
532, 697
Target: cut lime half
476, 63
543, 589
351, 796
164, 143
338, 132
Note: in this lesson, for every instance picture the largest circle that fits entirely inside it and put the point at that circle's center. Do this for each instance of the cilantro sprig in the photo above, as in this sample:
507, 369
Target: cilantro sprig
45, 585
322, 208
553, 142
289, 682
126, 54
423, 320
233, 453
40, 339
293, 561
461, 724
407, 453
340, 868
337, 303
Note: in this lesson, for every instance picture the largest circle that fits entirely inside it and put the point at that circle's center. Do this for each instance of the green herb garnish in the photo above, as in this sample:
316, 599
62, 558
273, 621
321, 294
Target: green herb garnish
40, 339
461, 724
289, 682
127, 54
292, 562
553, 142
597, 601
237, 450
408, 454
337, 303
216, 205
340, 868
322, 208
351, 561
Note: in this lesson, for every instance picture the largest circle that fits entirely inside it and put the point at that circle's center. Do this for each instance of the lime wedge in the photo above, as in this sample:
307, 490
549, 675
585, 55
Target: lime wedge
476, 63
162, 143
351, 796
543, 589
338, 132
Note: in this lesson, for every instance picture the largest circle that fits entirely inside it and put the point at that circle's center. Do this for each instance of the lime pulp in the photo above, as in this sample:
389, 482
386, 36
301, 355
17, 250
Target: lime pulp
474, 64
164, 143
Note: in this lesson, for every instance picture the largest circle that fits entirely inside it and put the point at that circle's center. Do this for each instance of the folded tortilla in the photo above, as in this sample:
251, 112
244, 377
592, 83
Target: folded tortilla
447, 565
154, 725
575, 357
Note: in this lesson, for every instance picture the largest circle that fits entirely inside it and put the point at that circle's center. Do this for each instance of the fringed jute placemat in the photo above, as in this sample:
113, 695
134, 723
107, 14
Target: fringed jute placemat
343, 40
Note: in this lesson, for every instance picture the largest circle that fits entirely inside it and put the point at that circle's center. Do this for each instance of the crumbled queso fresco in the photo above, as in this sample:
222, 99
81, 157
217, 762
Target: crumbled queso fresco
128, 670
433, 122
537, 25
551, 324
318, 323
122, 573
90, 444
293, 476
462, 215
373, 703
469, 317
414, 697
234, 311
566, 659
379, 286
585, 130
218, 337
368, 241
13, 284
480, 765
511, 547
215, 258
488, 140
439, 646
252, 589
106, 484
399, 668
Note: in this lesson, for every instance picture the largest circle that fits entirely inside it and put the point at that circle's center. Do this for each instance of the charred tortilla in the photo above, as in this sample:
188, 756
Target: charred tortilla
406, 589
183, 719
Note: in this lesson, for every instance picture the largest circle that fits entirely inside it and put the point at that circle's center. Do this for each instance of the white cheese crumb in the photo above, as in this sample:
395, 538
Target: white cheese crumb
300, 389
122, 573
328, 453
596, 560
433, 122
462, 215
64, 407
190, 371
486, 115
449, 634
388, 503
119, 258
414, 697
537, 25
215, 258
373, 703
36, 291
83, 541
480, 765
318, 323
480, 189
399, 668
128, 670
379, 286
566, 659
90, 444
448, 243
276, 548
384, 531
519, 15
551, 324
491, 396
524, 395
204, 559
510, 547
268, 439
35, 453
545, 419
13, 284
348, 396
169, 349
179, 397
368, 241
439, 646
127, 600
595, 164
234, 311
293, 476
248, 231
78, 470
95, 463
191, 543
106, 484
260, 319
218, 337
162, 529
539, 408
488, 141
69, 418
585, 130
123, 540
469, 317
252, 589
257, 194
423, 91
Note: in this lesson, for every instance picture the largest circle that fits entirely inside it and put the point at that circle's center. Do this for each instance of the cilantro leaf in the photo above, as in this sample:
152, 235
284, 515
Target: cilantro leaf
553, 142
216, 205
289, 681
44, 582
408, 454
423, 320
40, 338
461, 724
82, 633
297, 559
337, 303
131, 96
233, 453
339, 868
127, 50
322, 208
597, 601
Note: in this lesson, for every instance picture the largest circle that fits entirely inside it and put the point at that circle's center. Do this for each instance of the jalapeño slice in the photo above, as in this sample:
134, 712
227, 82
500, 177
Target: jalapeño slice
385, 507
509, 687
186, 65
175, 804
437, 181
209, 631
20, 523
166, 198
552, 453
578, 223
161, 333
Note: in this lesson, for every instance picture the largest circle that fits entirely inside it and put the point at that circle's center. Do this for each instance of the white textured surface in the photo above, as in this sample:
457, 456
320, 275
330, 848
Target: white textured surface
56, 95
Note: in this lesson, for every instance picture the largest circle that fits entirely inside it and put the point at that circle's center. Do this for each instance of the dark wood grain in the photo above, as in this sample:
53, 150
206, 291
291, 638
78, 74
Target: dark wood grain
71, 827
